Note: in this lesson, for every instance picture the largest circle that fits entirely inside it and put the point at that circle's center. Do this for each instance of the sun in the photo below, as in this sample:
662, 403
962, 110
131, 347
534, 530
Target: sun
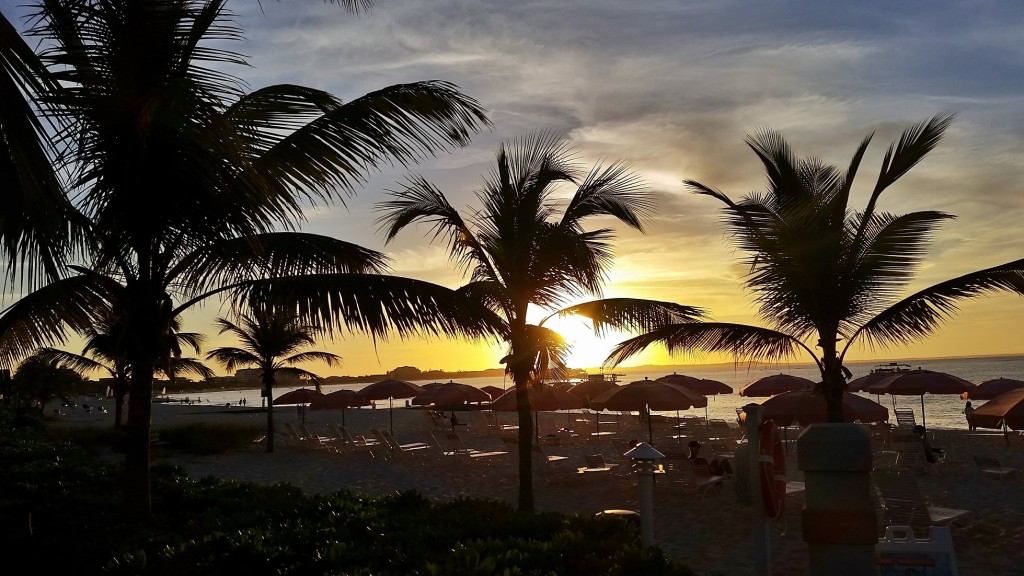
588, 350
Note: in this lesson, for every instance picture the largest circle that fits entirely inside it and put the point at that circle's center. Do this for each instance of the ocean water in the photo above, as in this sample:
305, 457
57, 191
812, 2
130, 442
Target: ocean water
940, 411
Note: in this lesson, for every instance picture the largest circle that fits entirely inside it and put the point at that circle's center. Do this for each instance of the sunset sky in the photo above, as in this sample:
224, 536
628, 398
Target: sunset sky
672, 88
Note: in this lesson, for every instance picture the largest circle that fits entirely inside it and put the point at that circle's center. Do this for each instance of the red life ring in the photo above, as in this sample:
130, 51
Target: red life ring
772, 470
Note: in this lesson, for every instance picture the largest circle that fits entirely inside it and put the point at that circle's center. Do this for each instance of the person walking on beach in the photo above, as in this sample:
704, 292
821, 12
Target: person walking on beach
969, 413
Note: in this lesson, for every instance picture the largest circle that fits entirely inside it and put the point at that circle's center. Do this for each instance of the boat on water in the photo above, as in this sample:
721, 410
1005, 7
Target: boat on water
891, 368
604, 377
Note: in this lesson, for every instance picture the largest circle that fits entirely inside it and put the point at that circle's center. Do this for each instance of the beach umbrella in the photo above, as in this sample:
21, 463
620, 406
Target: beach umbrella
646, 395
989, 389
299, 396
918, 383
338, 400
450, 394
808, 407
543, 398
1003, 411
493, 391
701, 386
389, 390
859, 384
775, 384
590, 389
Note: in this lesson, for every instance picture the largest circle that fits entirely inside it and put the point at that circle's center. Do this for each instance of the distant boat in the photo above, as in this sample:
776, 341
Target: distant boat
891, 368
604, 377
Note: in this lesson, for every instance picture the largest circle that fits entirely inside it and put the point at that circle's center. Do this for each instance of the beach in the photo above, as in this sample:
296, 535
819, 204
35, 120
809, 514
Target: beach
709, 531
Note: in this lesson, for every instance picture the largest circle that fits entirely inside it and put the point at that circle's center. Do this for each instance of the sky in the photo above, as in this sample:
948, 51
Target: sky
672, 88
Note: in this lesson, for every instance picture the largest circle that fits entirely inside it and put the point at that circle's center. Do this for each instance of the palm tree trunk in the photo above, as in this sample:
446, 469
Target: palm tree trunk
525, 443
833, 383
520, 365
120, 387
268, 390
140, 408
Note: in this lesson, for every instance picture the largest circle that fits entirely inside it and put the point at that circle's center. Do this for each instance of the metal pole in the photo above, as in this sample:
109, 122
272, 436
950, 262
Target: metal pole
645, 473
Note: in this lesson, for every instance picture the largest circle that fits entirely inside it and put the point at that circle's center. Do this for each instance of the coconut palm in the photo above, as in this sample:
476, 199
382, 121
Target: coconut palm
104, 351
187, 187
825, 276
273, 341
521, 251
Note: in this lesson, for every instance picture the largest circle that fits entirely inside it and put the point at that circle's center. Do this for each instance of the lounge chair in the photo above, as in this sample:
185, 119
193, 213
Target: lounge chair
455, 446
511, 442
350, 443
905, 418
302, 439
315, 440
396, 448
903, 504
907, 453
990, 466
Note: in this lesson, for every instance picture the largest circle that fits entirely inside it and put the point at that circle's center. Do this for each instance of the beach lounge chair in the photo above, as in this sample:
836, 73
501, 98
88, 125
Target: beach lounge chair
990, 466
349, 443
302, 440
395, 448
905, 418
491, 425
903, 504
455, 446
907, 453
315, 440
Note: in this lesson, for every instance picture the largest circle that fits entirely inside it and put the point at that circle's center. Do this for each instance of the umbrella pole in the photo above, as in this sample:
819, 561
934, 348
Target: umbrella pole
923, 423
343, 416
679, 440
650, 427
391, 415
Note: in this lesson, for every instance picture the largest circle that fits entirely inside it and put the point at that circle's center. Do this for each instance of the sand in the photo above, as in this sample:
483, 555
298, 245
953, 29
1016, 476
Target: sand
712, 533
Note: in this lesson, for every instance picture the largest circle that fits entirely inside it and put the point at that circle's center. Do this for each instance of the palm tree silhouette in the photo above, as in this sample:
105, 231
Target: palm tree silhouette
104, 350
272, 340
825, 276
522, 252
183, 182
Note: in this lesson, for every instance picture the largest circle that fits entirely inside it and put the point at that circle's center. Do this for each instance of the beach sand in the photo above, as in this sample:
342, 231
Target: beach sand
712, 534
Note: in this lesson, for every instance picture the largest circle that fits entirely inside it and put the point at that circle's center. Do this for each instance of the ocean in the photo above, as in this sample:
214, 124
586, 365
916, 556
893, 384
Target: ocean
940, 411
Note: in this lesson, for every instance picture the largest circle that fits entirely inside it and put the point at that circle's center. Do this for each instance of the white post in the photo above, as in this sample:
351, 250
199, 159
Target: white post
646, 459
761, 535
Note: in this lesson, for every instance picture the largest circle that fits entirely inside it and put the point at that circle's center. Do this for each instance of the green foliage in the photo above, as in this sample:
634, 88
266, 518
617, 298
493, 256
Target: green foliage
205, 438
208, 526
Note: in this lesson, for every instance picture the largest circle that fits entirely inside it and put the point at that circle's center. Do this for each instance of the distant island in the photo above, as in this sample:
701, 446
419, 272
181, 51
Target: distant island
250, 378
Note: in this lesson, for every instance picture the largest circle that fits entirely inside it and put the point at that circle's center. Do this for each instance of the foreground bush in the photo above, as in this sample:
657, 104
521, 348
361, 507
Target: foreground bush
59, 509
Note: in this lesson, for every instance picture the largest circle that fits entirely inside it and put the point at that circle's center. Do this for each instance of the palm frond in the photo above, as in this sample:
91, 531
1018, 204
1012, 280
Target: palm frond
273, 254
76, 362
633, 314
36, 227
50, 315
191, 367
314, 356
920, 314
699, 338
376, 305
913, 145
611, 191
233, 358
401, 123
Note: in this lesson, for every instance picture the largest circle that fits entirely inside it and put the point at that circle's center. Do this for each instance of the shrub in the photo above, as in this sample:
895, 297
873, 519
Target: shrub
213, 527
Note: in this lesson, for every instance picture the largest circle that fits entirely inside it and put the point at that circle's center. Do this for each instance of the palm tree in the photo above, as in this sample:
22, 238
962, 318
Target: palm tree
148, 115
522, 252
825, 276
273, 341
104, 351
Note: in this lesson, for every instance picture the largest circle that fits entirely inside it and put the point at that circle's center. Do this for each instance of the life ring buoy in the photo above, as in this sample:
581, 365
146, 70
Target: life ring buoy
772, 460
